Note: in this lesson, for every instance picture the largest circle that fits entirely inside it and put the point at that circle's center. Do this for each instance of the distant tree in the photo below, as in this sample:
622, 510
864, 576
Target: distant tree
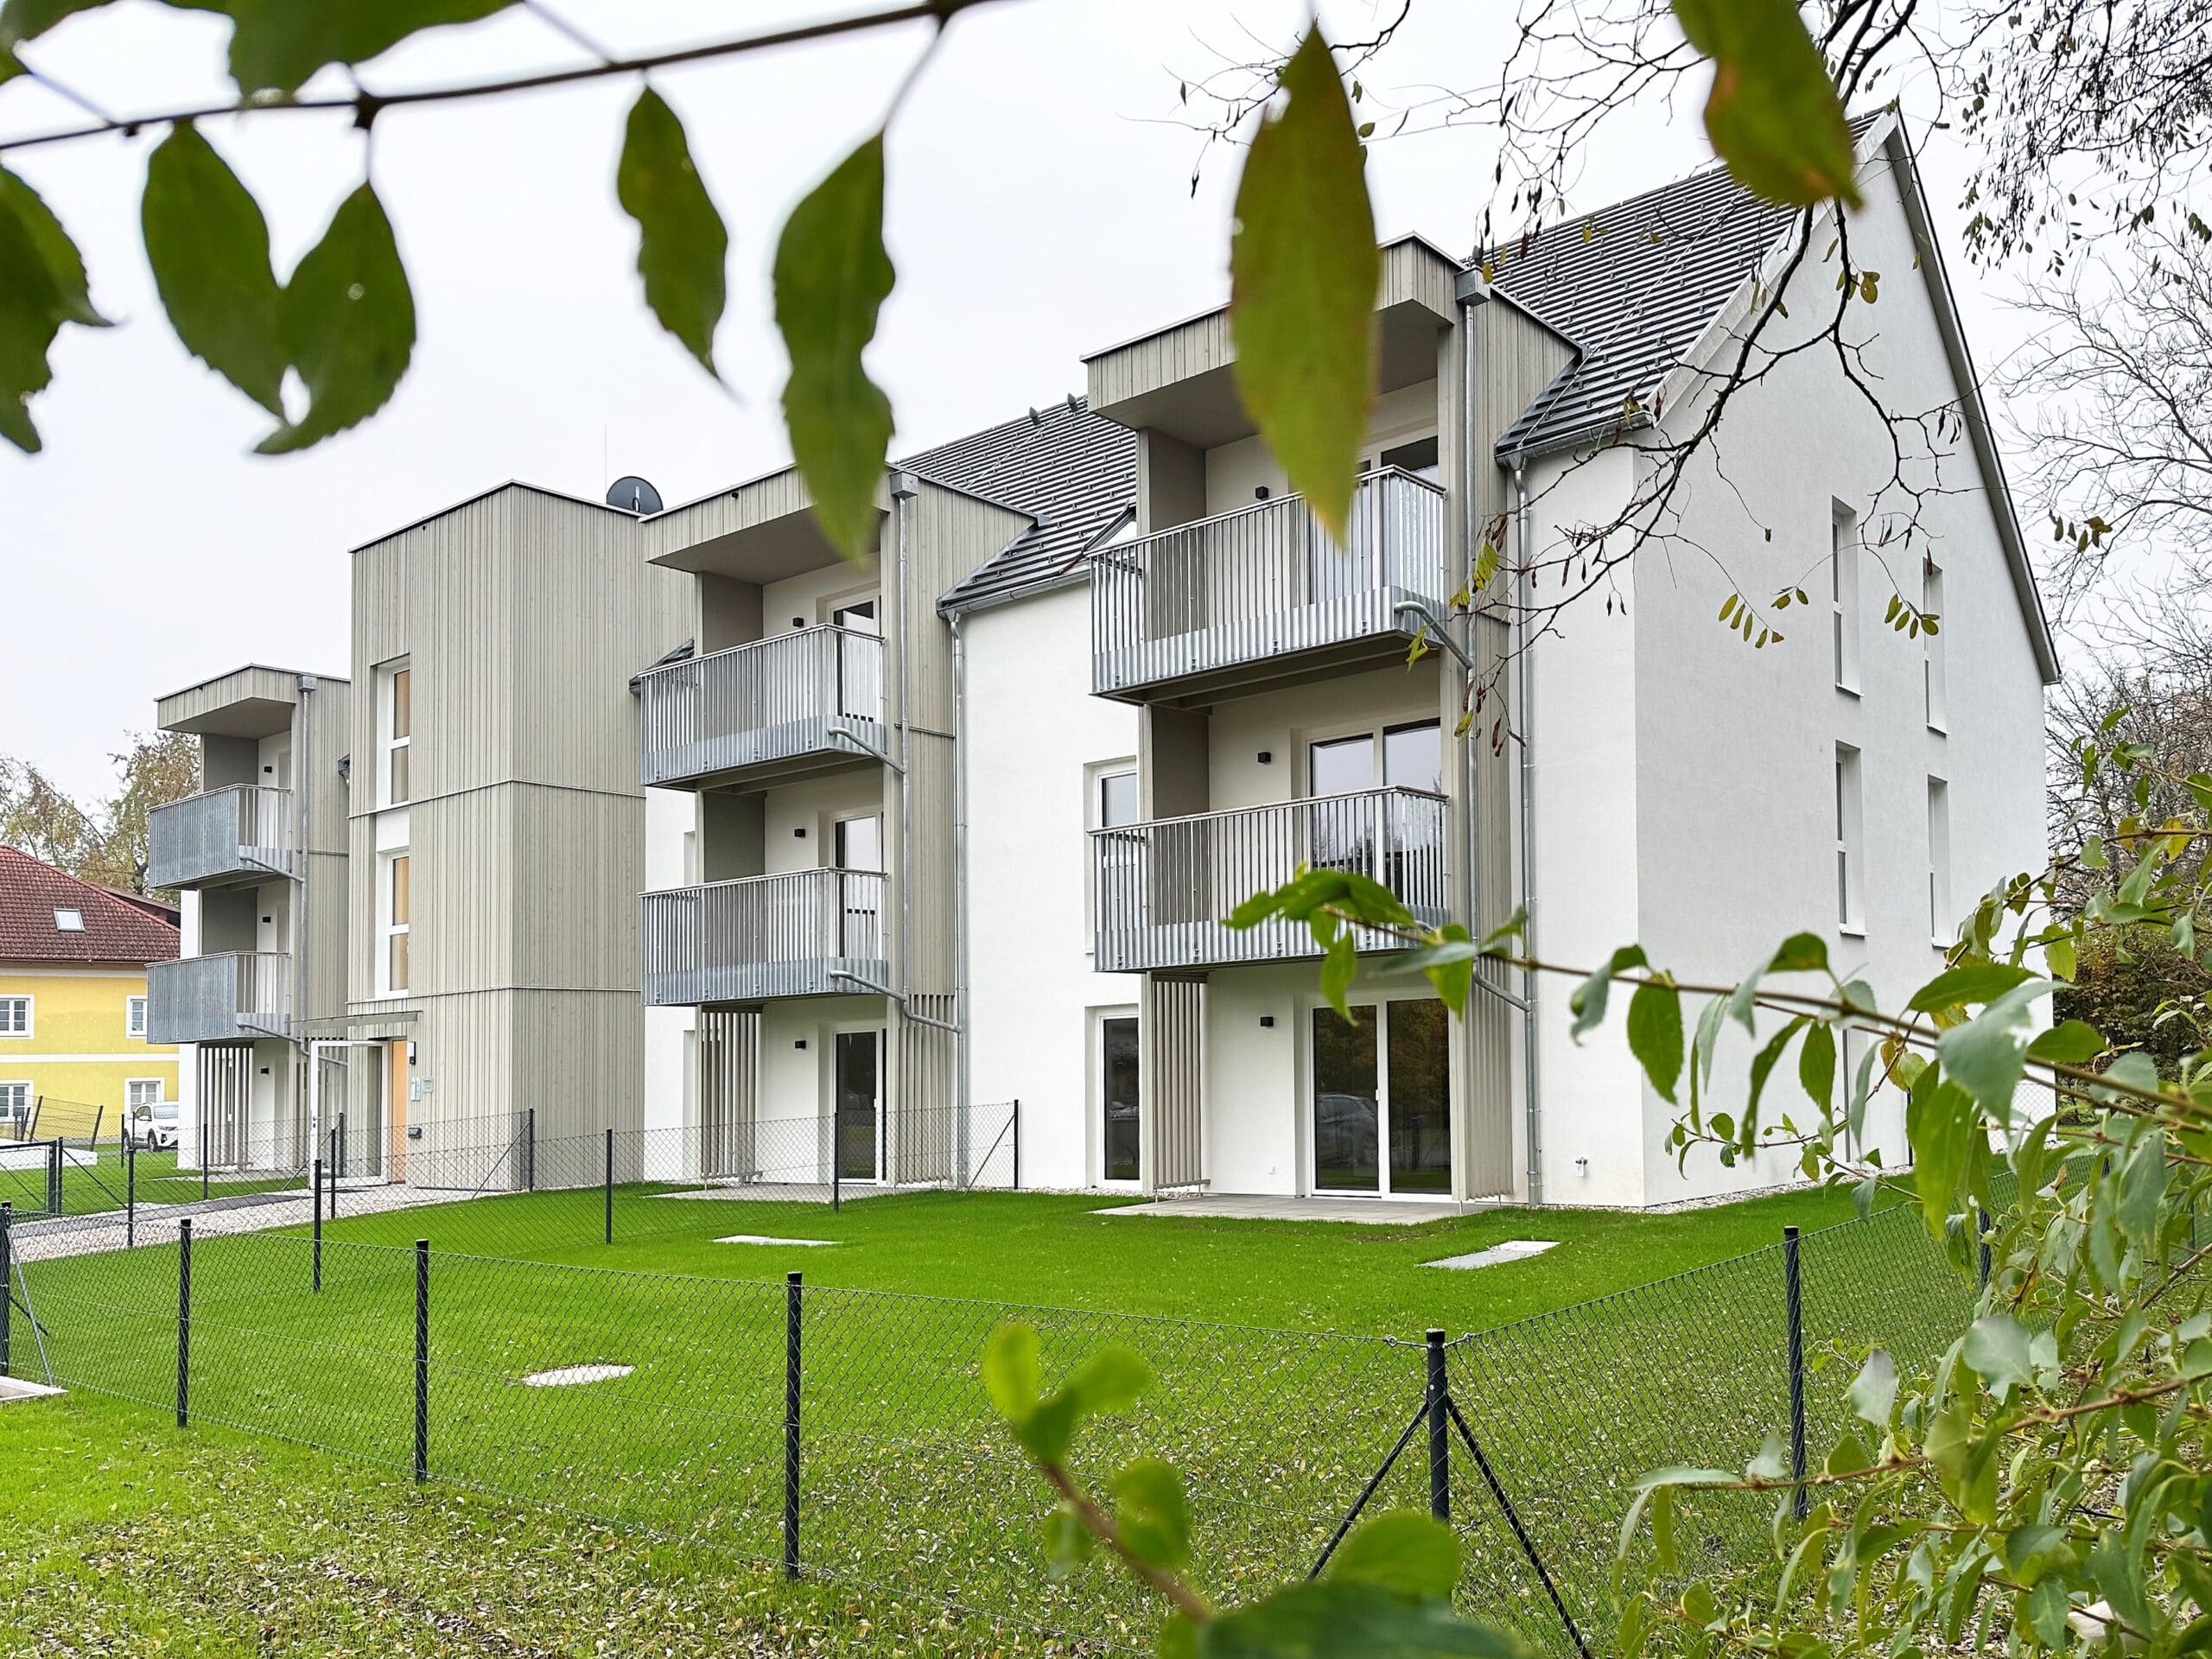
102, 842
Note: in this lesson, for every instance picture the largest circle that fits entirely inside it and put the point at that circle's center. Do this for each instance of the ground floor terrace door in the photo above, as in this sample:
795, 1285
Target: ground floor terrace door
1381, 1098
856, 1089
347, 1086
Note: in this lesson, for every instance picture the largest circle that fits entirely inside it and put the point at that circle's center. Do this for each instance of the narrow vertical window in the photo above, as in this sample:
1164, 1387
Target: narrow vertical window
1117, 1090
1843, 595
398, 736
1850, 858
134, 1016
397, 909
1940, 920
1931, 662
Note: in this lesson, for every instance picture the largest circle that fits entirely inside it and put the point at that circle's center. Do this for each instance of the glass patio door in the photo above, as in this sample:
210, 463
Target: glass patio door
857, 1087
1382, 1101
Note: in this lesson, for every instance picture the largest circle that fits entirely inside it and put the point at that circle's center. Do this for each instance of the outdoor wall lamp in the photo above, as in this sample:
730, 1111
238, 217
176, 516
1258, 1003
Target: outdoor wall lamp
799, 1043
1267, 1022
1267, 757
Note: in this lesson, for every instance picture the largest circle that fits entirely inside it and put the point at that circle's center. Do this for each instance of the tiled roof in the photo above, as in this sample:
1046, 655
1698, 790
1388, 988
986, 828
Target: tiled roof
1074, 472
115, 930
1632, 287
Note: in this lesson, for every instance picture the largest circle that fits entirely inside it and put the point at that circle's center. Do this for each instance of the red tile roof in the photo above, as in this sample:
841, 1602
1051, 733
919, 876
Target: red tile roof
115, 930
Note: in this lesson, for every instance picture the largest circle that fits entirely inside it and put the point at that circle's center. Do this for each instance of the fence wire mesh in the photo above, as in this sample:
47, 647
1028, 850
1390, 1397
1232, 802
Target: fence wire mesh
658, 1400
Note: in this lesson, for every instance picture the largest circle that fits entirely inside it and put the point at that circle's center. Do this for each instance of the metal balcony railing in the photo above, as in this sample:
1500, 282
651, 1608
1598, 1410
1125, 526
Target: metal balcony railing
812, 691
230, 997
1262, 583
808, 933
1164, 888
241, 833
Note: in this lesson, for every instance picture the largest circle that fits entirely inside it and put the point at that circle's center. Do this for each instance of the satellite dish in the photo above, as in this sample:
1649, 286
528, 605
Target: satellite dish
634, 494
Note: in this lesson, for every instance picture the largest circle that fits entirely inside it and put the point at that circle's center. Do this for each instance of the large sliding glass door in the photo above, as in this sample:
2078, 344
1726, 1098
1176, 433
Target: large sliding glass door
1381, 1098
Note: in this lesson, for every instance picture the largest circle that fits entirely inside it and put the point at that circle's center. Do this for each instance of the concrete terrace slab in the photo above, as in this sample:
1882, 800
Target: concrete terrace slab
1368, 1212
1513, 1249
764, 1238
13, 1388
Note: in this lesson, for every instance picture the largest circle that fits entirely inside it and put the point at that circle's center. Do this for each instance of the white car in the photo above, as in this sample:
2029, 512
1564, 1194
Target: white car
152, 1129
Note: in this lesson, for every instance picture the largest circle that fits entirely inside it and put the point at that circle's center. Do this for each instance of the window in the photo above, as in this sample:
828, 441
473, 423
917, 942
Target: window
140, 1091
859, 843
1934, 694
1850, 858
68, 921
1381, 1098
14, 1109
859, 617
1118, 868
396, 906
134, 1016
1420, 457
1940, 920
1117, 1095
15, 1016
1843, 595
1117, 799
398, 720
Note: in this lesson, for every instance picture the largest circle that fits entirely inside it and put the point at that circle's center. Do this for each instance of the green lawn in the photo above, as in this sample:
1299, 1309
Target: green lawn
1277, 1420
103, 1182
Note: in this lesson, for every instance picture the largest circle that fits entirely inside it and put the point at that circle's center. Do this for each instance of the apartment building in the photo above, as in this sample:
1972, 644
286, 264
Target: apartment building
258, 858
410, 896
675, 820
1151, 685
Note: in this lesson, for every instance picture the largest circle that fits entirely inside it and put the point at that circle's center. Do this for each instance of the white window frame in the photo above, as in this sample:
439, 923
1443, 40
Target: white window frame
386, 929
388, 744
21, 1085
1843, 595
61, 926
155, 1083
1939, 860
1850, 840
1935, 697
29, 1004
1309, 1151
1098, 1019
134, 1016
1094, 817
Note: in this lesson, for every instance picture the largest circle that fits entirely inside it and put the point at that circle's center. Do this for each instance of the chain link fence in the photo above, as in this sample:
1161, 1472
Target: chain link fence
845, 1433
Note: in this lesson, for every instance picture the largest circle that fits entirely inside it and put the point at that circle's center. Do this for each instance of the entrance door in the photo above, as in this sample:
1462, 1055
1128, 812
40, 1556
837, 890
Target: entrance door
858, 1088
1382, 1106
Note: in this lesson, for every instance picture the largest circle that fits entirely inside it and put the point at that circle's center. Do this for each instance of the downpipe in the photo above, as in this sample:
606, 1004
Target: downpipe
1526, 685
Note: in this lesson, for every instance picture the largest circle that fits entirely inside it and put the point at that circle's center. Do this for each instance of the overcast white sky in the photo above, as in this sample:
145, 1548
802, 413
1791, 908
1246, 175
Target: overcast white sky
1040, 208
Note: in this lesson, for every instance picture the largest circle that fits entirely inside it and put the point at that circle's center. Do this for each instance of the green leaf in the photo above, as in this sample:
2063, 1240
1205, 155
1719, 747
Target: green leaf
1449, 963
1816, 1066
2143, 1189
208, 246
1997, 1350
1153, 1513
1587, 1001
1801, 953
1330, 1618
348, 323
1773, 114
1874, 1391
1940, 1122
1407, 1552
64, 265
1011, 1376
2071, 1042
31, 315
1338, 963
1068, 1542
831, 278
277, 44
1986, 1055
1968, 984
1304, 270
1110, 1379
1655, 1035
682, 247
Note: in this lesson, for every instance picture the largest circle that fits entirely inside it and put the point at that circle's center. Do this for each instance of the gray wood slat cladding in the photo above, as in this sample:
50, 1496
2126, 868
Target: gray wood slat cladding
1171, 1073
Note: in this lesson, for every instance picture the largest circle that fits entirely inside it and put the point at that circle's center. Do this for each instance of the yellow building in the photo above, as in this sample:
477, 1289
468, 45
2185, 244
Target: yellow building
72, 1002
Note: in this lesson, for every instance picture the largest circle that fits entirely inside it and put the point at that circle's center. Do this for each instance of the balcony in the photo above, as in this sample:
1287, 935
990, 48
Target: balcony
809, 933
224, 838
1263, 595
1163, 888
806, 700
228, 998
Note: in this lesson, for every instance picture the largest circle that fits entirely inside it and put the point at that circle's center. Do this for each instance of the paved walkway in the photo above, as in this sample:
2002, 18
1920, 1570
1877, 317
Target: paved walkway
1259, 1206
244, 1212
